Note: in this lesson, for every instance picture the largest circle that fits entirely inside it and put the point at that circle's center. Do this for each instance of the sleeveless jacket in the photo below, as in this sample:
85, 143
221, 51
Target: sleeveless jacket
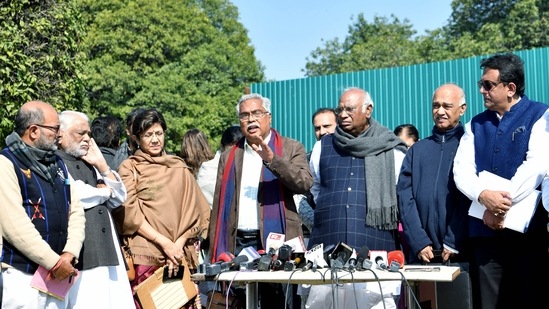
98, 248
501, 146
47, 204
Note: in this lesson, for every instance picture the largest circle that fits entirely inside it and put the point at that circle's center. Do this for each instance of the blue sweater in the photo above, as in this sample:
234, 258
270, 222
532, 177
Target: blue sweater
501, 146
432, 210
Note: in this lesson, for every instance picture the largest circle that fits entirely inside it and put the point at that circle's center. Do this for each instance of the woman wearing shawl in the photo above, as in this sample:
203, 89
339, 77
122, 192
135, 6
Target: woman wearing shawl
165, 214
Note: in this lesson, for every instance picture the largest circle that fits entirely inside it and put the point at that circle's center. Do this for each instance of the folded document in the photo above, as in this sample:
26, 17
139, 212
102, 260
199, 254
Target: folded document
519, 215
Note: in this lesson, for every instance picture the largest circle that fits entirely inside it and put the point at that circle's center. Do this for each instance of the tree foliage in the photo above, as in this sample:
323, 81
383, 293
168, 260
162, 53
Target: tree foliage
475, 27
383, 43
189, 59
38, 57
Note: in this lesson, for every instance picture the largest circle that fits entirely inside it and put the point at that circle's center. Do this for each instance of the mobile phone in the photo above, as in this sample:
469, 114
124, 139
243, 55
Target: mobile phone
178, 275
437, 259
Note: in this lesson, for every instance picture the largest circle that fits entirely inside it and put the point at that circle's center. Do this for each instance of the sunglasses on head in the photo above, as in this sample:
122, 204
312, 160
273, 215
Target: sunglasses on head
487, 85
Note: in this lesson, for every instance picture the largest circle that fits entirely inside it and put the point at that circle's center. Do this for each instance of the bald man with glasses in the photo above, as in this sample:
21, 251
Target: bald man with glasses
41, 216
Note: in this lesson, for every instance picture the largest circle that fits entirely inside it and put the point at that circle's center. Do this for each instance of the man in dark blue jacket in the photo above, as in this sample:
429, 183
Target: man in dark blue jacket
432, 210
509, 140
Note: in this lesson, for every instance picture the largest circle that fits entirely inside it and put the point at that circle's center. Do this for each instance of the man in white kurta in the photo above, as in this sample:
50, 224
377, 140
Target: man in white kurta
103, 280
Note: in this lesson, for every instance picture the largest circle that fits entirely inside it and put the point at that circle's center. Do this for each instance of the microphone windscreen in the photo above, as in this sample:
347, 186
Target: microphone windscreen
225, 257
239, 259
397, 256
363, 253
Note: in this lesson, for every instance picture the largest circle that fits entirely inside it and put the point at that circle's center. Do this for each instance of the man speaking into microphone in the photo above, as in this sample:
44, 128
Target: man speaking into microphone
256, 181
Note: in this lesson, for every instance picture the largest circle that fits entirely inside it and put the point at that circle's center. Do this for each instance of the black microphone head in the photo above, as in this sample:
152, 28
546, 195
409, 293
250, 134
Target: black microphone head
284, 252
239, 259
363, 253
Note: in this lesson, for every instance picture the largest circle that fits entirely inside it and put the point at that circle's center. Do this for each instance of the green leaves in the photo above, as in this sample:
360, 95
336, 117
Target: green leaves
38, 56
476, 27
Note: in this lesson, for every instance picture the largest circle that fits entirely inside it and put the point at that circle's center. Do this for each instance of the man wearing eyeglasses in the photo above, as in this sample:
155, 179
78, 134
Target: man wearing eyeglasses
256, 181
41, 216
355, 171
508, 139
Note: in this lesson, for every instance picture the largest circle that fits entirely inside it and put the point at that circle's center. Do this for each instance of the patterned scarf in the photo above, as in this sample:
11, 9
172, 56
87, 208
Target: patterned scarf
41, 162
376, 145
272, 203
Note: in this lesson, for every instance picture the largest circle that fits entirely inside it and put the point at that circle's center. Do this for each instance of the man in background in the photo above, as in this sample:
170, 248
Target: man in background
41, 216
408, 133
324, 122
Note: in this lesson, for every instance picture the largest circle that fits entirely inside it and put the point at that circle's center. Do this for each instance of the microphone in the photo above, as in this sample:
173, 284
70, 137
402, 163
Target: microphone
316, 255
338, 263
307, 266
266, 260
219, 267
395, 259
341, 254
359, 261
235, 263
285, 253
315, 265
379, 257
225, 257
291, 265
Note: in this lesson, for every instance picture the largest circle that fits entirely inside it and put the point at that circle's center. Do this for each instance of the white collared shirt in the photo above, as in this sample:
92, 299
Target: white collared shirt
528, 175
252, 166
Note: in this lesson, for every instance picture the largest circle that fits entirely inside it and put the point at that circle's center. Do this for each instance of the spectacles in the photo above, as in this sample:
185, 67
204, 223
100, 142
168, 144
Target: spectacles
54, 129
488, 85
257, 114
348, 109
149, 135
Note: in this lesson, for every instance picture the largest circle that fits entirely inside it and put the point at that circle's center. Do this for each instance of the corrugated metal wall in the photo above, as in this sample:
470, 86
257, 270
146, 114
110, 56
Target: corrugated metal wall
400, 95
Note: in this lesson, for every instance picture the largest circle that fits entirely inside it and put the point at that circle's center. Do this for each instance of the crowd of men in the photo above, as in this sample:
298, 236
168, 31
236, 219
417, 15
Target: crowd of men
359, 183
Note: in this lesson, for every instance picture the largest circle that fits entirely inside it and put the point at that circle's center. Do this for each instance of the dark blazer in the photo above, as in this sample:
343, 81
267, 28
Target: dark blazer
293, 172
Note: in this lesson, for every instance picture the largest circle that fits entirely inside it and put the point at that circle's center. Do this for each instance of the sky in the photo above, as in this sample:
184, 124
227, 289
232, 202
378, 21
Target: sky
285, 32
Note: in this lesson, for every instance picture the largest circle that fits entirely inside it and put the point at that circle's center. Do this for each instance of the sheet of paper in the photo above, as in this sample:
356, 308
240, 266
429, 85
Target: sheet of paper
519, 216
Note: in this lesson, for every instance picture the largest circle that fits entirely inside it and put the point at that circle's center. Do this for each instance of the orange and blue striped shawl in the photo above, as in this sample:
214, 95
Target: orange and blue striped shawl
272, 204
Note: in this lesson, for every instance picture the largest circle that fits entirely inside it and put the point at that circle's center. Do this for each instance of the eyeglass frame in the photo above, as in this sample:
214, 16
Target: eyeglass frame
54, 129
158, 134
256, 114
349, 110
482, 84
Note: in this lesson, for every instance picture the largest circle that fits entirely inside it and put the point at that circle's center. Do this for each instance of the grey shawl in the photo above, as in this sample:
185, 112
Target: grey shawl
376, 145
42, 162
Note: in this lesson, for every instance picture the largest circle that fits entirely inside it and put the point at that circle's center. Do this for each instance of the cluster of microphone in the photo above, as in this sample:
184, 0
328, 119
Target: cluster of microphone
336, 257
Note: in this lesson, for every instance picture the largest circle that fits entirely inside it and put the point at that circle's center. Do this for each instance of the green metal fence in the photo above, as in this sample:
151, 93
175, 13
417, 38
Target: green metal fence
400, 95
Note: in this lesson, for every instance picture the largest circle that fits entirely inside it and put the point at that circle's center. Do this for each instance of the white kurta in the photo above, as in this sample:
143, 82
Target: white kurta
103, 286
